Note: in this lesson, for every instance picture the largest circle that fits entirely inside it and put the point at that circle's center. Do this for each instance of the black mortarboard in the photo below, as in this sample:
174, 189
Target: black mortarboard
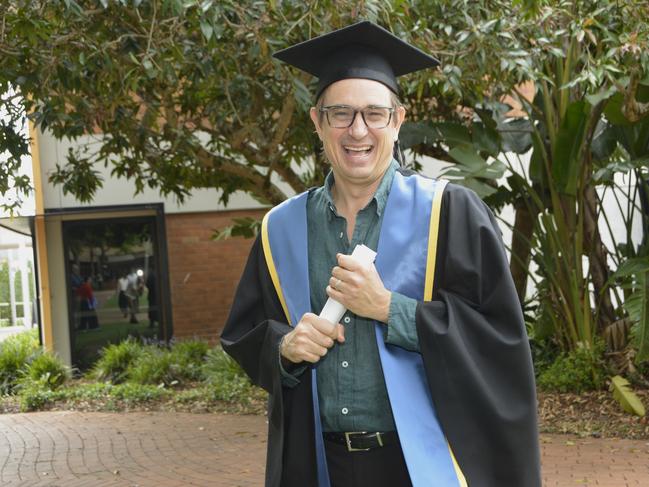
362, 50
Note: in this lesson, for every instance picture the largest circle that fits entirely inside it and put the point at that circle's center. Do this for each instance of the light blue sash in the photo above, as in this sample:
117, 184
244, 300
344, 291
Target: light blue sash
401, 262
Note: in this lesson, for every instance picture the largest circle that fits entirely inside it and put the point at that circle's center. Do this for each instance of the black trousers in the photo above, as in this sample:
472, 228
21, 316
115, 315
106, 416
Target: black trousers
379, 467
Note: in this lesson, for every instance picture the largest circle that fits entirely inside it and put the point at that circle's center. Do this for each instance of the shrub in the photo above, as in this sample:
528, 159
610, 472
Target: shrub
15, 352
34, 394
116, 359
188, 357
154, 366
194, 350
578, 371
225, 378
47, 369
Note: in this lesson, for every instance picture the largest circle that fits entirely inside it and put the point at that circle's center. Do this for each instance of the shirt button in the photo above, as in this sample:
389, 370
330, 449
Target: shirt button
345, 364
347, 319
341, 234
344, 410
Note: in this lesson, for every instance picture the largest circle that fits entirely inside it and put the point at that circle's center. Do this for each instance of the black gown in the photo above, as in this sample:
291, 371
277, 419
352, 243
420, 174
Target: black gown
473, 343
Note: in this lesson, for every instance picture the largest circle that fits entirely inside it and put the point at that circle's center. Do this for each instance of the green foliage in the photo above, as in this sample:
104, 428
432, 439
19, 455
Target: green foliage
576, 371
154, 366
14, 146
634, 277
46, 369
169, 366
15, 353
144, 372
225, 378
629, 401
133, 394
185, 94
35, 394
189, 356
116, 359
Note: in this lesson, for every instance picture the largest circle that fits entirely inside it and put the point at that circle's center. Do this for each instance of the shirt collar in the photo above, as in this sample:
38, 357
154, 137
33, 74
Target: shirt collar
380, 196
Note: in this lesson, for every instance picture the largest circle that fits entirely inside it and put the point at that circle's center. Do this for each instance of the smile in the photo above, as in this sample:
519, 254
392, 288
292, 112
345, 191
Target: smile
361, 149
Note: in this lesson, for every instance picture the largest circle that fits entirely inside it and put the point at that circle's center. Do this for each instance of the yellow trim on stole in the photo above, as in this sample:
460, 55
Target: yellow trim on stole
265, 244
433, 235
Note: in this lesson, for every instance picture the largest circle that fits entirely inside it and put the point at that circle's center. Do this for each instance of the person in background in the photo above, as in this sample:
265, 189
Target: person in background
122, 298
88, 306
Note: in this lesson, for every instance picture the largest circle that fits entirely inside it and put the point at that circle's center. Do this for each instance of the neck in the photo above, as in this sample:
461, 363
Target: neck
350, 198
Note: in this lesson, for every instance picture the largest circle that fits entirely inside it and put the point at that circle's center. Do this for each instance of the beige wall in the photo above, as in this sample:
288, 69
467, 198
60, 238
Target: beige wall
121, 191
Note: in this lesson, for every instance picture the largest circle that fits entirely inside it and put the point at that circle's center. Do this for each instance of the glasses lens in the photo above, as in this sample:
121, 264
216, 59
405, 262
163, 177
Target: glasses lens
377, 117
340, 117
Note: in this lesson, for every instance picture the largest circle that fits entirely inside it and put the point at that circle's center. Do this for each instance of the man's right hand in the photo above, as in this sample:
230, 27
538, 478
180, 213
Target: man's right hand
310, 340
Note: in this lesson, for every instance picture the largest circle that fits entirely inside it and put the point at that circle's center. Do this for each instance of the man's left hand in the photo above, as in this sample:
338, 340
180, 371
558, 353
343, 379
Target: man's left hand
359, 289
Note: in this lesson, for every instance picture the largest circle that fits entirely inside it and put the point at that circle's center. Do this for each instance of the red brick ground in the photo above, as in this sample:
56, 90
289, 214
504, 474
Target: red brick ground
70, 449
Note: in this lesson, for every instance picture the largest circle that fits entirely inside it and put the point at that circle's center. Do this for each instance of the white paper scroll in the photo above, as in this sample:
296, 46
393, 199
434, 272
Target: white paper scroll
333, 311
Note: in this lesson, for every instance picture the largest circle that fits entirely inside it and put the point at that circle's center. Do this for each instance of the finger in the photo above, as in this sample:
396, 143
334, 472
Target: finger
311, 357
335, 294
340, 329
348, 262
342, 274
321, 339
336, 283
325, 327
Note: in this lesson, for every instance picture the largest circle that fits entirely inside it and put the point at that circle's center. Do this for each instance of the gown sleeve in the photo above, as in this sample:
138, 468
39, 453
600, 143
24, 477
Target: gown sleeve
252, 335
476, 352
256, 323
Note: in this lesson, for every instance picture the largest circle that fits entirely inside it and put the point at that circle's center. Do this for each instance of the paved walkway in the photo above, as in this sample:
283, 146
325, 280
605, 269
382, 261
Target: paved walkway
70, 449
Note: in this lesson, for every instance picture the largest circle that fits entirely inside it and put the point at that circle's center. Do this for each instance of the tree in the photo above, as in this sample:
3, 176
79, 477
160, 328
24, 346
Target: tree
185, 94
588, 120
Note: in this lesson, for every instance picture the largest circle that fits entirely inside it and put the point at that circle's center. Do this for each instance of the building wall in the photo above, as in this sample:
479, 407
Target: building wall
203, 273
121, 191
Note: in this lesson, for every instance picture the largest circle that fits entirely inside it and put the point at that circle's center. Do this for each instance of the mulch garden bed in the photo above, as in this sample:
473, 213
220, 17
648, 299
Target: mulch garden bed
594, 414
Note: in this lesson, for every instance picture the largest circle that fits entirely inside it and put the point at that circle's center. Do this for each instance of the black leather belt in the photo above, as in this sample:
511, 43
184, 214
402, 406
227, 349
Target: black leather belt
362, 440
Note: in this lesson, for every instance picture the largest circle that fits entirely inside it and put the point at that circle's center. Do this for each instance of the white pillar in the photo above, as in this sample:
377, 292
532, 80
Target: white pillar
12, 288
26, 285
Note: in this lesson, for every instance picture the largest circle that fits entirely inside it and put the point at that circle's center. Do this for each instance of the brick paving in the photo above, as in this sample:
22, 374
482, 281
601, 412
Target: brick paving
72, 449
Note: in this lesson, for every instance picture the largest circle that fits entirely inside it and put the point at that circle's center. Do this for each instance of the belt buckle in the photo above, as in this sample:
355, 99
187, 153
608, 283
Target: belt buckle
348, 440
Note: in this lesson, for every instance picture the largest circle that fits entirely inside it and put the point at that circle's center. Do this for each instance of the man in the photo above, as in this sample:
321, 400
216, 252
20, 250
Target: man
428, 379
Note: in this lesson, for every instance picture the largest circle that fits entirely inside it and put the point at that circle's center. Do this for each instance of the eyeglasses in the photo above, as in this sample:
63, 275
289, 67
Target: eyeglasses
343, 116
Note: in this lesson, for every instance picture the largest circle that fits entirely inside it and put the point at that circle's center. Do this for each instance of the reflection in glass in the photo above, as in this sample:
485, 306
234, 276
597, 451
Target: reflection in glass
113, 288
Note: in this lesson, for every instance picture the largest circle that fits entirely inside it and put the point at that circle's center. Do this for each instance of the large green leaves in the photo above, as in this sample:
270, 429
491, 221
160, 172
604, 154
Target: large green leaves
634, 277
629, 401
569, 139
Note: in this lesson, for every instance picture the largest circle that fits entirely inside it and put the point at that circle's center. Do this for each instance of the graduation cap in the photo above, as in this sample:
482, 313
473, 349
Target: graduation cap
362, 50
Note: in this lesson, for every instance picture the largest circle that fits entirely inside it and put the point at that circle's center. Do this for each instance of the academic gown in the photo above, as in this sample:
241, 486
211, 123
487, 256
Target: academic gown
474, 347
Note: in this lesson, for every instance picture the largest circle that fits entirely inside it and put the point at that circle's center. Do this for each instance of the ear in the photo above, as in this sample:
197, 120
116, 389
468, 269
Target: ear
399, 117
315, 118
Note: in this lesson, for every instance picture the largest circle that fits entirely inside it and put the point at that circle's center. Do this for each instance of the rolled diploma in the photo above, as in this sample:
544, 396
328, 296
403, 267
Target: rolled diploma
333, 311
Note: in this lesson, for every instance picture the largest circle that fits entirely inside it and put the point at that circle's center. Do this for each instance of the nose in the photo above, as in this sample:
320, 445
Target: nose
358, 129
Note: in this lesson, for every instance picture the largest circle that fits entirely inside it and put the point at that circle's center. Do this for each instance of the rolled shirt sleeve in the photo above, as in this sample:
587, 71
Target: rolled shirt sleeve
401, 329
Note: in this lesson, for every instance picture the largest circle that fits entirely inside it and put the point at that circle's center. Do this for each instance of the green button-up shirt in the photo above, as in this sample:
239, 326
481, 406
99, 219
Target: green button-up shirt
351, 387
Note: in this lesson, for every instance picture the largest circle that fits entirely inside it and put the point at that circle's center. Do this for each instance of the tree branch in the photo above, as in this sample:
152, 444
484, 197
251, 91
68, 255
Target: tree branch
255, 182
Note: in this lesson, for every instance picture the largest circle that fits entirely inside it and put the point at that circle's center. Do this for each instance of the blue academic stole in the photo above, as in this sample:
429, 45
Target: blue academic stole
406, 263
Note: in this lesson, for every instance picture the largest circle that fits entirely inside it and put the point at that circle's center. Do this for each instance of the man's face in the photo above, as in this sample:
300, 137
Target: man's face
358, 155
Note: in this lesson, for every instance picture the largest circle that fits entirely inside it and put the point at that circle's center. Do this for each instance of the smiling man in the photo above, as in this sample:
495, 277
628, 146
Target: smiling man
428, 379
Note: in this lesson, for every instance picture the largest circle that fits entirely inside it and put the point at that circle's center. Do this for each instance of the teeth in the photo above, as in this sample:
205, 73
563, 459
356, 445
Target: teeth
359, 149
